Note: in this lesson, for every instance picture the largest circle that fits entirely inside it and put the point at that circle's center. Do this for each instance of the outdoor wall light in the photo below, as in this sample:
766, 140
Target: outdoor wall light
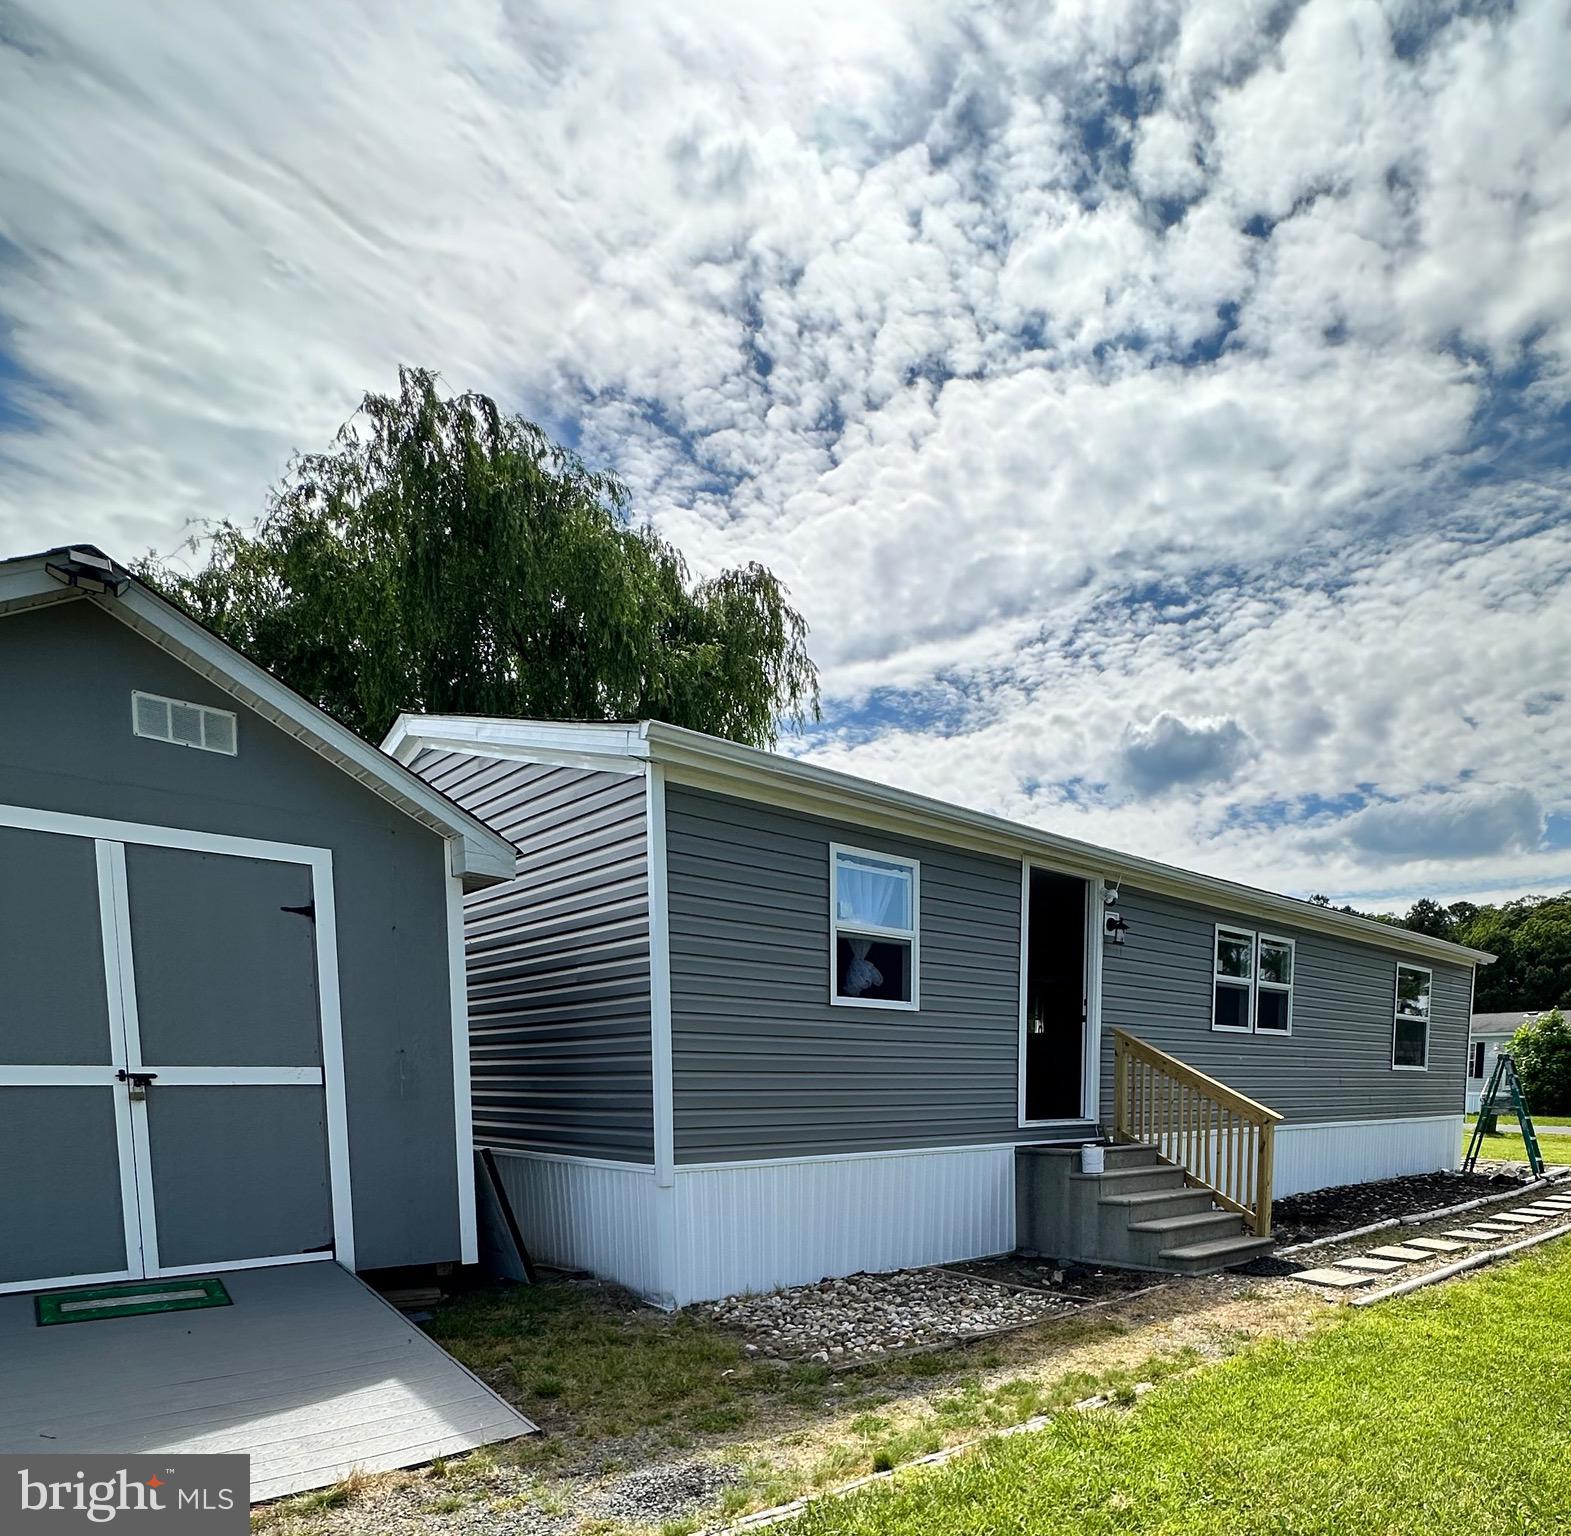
1114, 927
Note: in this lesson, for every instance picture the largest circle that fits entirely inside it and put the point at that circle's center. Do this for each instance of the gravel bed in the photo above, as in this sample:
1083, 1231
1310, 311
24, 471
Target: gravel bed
862, 1316
1321, 1212
408, 1509
667, 1491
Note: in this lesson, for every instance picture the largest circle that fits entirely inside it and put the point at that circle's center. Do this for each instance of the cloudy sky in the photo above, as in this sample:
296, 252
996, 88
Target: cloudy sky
1162, 413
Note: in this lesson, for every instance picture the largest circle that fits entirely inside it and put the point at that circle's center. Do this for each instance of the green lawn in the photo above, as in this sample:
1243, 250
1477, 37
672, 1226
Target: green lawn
1443, 1411
1512, 1149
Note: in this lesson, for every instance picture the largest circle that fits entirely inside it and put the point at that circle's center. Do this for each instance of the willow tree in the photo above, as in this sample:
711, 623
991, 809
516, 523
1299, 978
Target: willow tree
449, 558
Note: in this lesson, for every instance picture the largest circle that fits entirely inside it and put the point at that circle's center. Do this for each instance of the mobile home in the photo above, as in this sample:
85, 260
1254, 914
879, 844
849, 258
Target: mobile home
740, 1021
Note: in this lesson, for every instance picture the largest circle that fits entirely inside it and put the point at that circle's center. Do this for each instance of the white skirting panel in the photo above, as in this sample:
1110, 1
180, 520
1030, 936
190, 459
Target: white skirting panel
577, 1214
755, 1226
1359, 1151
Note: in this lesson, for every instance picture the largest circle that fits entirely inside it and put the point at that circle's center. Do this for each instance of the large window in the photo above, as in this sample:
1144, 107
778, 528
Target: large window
874, 910
1410, 1036
1252, 982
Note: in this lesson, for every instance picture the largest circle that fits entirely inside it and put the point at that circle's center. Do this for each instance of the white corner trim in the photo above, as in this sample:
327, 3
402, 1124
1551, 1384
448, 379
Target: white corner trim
660, 1060
333, 1084
463, 1095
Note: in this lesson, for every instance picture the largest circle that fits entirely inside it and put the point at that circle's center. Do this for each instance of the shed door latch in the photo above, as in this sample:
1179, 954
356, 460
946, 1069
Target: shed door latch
137, 1082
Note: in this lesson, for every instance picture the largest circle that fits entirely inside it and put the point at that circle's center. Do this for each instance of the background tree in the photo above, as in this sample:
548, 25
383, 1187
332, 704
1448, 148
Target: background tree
446, 557
1541, 1049
1531, 938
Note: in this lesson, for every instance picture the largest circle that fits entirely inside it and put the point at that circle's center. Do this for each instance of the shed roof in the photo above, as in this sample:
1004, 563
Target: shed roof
1500, 1023
478, 855
691, 757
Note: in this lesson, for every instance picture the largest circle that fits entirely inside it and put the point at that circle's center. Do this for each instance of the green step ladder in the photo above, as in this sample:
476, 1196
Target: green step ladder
1505, 1076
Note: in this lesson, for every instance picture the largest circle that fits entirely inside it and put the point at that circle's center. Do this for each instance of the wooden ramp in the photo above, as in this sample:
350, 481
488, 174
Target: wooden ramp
310, 1373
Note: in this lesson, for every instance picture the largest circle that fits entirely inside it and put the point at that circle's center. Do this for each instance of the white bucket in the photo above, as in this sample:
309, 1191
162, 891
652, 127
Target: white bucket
1092, 1158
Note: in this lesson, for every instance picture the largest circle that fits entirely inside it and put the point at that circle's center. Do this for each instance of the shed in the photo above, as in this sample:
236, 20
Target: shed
232, 1020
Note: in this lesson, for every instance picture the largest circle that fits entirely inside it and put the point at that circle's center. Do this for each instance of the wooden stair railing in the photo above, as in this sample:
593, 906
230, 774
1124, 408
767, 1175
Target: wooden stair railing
1224, 1142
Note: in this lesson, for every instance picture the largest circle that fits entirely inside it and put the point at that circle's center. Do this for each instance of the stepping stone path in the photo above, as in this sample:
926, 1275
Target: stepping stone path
1360, 1269
1336, 1277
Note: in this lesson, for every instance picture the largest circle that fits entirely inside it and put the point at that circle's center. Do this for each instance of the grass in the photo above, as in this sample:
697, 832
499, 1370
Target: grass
1512, 1149
1446, 1410
589, 1370
1537, 1119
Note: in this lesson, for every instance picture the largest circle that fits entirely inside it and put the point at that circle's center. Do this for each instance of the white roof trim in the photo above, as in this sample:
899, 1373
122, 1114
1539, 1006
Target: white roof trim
707, 762
477, 855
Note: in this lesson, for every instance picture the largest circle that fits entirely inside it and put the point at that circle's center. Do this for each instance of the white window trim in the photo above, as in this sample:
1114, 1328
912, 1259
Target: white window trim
137, 695
1262, 985
870, 931
1396, 999
1246, 985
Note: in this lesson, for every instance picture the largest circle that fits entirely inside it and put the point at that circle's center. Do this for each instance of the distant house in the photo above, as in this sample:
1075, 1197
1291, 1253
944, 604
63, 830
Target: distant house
1488, 1033
740, 1021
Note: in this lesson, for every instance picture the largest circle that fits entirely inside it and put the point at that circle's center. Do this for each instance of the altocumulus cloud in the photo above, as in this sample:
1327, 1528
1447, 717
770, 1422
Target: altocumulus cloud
1162, 412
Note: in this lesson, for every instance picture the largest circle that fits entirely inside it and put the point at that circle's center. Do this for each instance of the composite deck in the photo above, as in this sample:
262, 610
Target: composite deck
309, 1372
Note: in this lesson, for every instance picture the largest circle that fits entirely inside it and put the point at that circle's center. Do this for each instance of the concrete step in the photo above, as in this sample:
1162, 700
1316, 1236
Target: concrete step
1203, 1258
1120, 1181
1131, 1155
1142, 1204
1197, 1227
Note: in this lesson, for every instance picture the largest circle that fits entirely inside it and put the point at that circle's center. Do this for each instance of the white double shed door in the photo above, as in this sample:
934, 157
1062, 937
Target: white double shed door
170, 1089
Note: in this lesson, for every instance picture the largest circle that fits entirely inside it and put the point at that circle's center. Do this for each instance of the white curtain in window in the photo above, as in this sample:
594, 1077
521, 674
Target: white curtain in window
879, 895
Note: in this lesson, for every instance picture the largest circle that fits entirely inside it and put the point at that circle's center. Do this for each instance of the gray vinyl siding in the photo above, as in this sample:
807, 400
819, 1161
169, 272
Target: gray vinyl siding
66, 676
558, 959
763, 1065
1336, 1065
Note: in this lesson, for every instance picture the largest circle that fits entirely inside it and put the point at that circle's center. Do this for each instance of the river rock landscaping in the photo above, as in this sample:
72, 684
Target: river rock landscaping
861, 1317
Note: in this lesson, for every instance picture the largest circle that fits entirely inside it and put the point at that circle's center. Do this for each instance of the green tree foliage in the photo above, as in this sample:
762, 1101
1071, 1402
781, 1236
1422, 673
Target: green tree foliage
1531, 938
1541, 1049
445, 557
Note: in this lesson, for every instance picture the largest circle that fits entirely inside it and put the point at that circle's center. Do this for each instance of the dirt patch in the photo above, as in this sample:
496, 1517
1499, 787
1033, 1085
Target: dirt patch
1322, 1212
1082, 1282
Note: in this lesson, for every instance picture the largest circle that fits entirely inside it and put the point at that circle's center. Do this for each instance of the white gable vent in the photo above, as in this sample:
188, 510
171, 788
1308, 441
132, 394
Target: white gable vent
185, 725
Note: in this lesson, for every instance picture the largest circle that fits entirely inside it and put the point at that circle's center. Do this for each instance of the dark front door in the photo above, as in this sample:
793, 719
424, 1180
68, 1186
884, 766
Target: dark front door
1055, 1022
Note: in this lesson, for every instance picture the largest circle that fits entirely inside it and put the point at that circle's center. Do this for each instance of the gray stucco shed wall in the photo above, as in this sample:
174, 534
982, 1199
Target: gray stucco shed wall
763, 1065
66, 676
1336, 1065
558, 959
